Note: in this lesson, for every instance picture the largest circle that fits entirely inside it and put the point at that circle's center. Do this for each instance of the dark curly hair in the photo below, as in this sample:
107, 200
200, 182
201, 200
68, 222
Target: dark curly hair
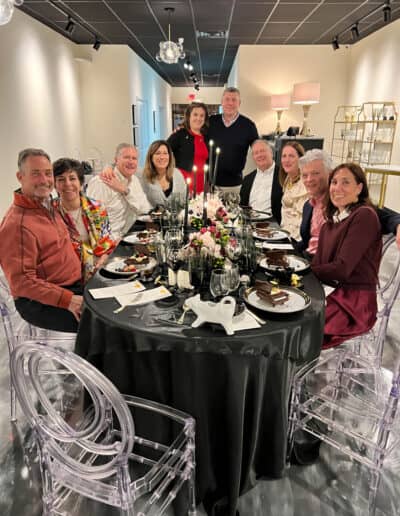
64, 164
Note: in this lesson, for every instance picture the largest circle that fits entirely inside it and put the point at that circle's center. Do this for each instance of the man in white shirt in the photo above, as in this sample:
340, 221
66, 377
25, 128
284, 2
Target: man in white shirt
261, 189
120, 191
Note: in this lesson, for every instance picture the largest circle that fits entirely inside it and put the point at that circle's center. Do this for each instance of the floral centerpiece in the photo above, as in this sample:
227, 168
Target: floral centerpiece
209, 242
215, 210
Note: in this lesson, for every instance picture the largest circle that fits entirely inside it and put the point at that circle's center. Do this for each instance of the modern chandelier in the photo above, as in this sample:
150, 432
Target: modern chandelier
170, 52
7, 10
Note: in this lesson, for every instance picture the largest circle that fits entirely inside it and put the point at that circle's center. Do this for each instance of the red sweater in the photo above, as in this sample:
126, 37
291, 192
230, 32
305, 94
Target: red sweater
349, 251
36, 253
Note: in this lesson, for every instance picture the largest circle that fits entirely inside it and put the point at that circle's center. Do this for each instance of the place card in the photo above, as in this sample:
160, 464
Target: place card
142, 298
117, 290
275, 245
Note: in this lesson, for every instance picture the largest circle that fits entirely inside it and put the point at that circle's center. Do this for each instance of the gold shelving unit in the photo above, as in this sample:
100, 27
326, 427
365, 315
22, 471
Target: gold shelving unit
365, 134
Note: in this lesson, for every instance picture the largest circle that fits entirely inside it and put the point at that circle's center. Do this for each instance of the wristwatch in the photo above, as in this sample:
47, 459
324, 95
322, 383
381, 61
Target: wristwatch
127, 191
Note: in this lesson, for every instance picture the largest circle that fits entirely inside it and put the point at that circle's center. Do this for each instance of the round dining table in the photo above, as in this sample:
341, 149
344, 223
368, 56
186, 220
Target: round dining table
236, 387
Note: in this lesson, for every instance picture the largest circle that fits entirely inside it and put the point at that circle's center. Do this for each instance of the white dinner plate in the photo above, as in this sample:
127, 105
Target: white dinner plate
277, 234
133, 238
119, 263
257, 216
297, 301
295, 262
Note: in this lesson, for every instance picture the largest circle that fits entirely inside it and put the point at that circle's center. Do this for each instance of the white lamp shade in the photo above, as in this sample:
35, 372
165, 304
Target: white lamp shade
280, 102
306, 93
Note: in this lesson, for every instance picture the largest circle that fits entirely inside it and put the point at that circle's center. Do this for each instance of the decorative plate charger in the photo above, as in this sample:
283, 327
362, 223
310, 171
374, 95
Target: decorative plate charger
273, 235
296, 263
297, 301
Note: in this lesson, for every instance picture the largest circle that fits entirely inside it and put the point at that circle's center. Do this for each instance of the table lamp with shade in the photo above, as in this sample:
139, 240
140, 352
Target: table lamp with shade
306, 94
279, 103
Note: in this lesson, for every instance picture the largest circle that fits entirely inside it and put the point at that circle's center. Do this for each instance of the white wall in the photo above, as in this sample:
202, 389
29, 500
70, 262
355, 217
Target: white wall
208, 95
375, 76
233, 78
39, 96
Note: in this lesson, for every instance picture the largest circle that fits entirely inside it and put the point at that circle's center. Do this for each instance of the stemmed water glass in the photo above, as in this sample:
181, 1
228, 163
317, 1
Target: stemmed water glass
219, 286
232, 276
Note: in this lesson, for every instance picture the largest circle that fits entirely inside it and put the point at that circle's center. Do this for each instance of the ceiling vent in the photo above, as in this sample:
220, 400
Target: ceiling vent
220, 34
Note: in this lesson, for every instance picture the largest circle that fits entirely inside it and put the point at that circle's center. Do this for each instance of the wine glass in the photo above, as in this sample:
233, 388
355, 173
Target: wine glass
173, 238
232, 276
219, 284
233, 249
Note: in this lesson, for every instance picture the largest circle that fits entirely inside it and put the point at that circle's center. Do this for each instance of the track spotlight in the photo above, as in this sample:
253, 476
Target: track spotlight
96, 44
188, 65
197, 87
335, 43
194, 79
70, 27
387, 13
355, 33
191, 75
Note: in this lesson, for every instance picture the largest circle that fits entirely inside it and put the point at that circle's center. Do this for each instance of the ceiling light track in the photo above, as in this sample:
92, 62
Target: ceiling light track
354, 27
73, 23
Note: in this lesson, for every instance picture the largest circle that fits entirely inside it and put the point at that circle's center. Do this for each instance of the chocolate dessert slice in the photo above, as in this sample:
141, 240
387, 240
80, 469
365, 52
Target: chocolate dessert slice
270, 293
276, 258
137, 259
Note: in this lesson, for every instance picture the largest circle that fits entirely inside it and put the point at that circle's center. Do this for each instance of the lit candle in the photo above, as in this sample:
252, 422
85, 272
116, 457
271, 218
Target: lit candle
194, 180
205, 181
185, 220
210, 158
217, 152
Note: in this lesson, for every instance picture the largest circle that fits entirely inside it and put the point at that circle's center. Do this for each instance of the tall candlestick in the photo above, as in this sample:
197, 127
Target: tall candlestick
205, 214
217, 153
210, 158
195, 181
205, 182
185, 220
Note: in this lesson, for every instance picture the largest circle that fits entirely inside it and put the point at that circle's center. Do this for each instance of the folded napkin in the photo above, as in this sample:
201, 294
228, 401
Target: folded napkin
244, 321
276, 245
117, 290
143, 297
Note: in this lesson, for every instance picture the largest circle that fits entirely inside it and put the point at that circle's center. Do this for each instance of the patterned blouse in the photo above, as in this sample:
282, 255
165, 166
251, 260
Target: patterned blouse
293, 199
100, 242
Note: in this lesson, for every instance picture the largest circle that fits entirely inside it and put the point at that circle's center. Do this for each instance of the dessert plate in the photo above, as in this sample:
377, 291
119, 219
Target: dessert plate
139, 237
260, 215
276, 234
297, 263
297, 302
116, 266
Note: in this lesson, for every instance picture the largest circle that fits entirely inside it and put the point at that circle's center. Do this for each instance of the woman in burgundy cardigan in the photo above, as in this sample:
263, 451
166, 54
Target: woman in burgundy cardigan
348, 256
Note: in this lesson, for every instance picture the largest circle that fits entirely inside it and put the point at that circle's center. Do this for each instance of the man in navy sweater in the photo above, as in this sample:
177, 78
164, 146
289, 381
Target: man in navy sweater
233, 133
315, 167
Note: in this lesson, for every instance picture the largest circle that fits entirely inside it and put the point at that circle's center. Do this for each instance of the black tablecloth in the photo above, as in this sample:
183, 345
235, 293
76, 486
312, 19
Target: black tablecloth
236, 387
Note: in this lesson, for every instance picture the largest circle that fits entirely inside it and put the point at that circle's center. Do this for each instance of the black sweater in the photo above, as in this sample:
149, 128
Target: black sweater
234, 142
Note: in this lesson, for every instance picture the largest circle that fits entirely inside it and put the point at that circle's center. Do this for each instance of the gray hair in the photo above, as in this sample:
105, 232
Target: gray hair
26, 153
267, 144
314, 155
231, 89
123, 146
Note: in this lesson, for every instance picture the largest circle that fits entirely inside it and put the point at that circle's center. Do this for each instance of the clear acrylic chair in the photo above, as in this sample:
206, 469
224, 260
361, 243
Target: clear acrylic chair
346, 403
370, 345
100, 456
16, 329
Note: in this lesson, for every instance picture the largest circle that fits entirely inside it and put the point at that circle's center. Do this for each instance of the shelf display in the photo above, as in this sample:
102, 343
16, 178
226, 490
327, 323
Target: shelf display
364, 134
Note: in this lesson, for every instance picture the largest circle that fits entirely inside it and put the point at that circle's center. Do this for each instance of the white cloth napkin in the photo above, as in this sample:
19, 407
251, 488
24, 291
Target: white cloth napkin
244, 321
143, 297
117, 290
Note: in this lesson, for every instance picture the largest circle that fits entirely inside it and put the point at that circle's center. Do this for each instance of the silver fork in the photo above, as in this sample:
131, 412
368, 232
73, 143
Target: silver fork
118, 310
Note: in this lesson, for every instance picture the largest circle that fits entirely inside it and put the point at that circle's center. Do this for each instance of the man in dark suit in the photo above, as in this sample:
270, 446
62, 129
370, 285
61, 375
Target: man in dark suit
315, 167
261, 188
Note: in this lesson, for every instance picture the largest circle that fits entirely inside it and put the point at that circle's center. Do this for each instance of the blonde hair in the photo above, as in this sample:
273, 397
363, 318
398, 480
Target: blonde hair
149, 170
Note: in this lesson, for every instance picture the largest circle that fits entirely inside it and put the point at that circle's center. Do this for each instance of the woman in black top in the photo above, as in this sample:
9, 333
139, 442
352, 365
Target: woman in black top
189, 144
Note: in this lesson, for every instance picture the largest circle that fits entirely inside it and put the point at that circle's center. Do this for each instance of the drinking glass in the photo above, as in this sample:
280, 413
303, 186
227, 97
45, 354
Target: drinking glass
234, 249
232, 276
219, 283
173, 238
197, 269
173, 257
